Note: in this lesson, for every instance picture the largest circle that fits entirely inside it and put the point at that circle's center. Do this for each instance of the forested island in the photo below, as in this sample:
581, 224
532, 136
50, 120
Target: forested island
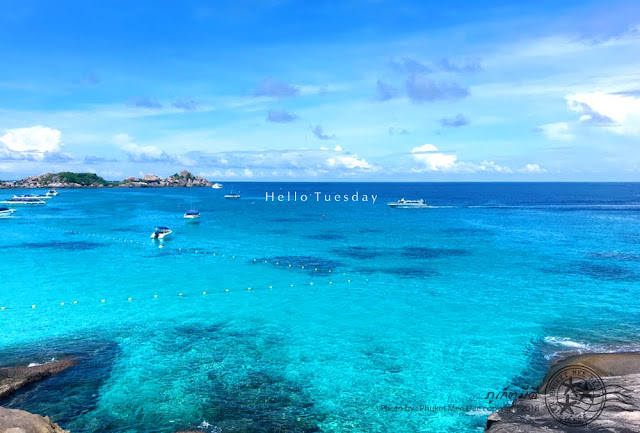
68, 179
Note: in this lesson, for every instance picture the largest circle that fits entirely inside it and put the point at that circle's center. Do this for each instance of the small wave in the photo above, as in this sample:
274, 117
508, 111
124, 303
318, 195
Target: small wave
565, 342
479, 412
36, 364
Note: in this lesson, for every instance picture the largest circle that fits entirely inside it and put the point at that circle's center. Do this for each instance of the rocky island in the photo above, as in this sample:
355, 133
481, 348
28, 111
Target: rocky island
91, 180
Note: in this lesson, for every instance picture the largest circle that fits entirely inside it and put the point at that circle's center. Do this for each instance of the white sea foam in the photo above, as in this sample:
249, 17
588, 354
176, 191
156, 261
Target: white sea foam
479, 412
565, 342
35, 364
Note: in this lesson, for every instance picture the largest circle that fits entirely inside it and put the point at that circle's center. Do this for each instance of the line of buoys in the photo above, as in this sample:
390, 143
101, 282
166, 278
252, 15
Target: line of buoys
155, 296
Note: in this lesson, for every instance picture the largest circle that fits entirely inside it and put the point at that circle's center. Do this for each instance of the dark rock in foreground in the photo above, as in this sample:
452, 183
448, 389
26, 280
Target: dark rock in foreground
603, 389
19, 421
14, 378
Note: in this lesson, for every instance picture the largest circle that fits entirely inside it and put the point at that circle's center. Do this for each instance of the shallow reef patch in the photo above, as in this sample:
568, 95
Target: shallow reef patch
432, 253
62, 245
615, 255
326, 236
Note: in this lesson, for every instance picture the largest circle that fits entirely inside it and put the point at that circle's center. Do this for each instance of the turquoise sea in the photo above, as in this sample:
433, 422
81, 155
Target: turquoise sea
357, 312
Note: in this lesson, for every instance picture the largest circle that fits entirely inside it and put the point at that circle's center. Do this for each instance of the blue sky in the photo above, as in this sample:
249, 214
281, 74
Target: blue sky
300, 91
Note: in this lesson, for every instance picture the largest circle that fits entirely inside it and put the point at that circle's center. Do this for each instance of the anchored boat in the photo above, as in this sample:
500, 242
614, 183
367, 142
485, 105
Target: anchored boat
52, 192
38, 197
192, 214
161, 233
23, 201
216, 186
5, 211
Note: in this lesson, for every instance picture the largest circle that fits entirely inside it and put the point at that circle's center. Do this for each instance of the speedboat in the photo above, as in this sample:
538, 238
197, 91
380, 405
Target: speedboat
192, 214
5, 211
232, 196
216, 186
161, 233
52, 192
37, 197
408, 204
23, 201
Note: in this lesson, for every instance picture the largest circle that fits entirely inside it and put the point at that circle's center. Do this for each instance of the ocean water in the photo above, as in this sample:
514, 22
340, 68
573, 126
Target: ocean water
356, 312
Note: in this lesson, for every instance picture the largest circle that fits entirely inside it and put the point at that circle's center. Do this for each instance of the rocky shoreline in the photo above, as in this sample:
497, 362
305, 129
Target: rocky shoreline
184, 179
579, 394
12, 379
597, 392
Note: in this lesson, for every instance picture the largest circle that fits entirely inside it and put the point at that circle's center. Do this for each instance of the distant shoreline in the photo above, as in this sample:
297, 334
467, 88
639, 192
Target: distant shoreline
101, 187
67, 179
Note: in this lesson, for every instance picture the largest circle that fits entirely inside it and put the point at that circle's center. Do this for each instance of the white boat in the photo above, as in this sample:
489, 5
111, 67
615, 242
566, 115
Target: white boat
192, 214
232, 196
22, 201
161, 233
5, 211
216, 186
37, 197
52, 192
408, 204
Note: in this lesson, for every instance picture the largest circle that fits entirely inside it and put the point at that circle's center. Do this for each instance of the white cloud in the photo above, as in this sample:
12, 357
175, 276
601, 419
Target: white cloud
433, 160
30, 143
137, 153
247, 173
558, 131
424, 148
338, 148
622, 110
532, 168
348, 161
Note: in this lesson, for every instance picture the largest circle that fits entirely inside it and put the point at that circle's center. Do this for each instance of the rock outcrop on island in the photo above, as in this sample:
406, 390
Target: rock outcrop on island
14, 378
182, 179
584, 393
19, 421
92, 180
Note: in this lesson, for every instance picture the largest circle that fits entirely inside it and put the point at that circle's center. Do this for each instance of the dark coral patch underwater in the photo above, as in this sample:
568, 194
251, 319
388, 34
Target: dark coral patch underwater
401, 272
62, 245
596, 271
417, 252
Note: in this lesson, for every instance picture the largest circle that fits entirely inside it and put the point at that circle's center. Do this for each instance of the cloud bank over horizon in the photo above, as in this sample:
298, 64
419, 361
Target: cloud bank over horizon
355, 99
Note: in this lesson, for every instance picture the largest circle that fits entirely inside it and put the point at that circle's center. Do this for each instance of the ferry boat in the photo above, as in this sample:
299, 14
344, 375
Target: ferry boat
52, 192
216, 186
37, 197
23, 201
192, 214
5, 211
232, 196
408, 204
161, 233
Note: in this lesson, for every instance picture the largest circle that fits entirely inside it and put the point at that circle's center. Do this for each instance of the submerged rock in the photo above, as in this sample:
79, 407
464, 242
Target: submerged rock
579, 394
14, 378
19, 421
